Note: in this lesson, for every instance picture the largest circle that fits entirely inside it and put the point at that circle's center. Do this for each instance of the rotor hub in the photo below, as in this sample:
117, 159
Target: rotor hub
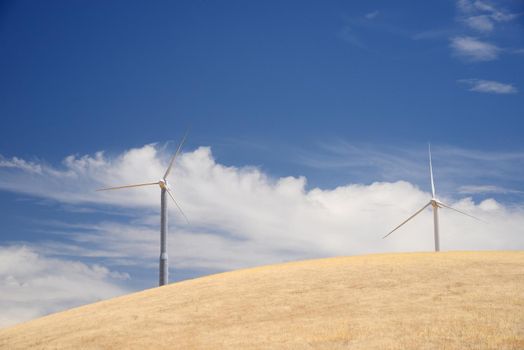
163, 184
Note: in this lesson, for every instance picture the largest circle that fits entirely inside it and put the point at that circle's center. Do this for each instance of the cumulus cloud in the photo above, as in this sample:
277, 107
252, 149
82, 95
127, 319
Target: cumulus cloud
79, 177
34, 285
241, 216
489, 86
472, 49
18, 163
230, 206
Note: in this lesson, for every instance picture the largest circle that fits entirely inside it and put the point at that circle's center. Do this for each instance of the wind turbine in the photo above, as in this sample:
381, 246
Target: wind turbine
435, 204
164, 188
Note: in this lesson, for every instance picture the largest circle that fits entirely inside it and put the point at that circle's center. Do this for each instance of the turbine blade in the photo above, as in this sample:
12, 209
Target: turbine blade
176, 154
459, 211
411, 217
178, 206
431, 172
119, 187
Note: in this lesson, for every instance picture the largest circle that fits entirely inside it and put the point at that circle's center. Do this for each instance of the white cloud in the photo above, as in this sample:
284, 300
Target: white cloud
232, 207
18, 163
481, 23
489, 86
482, 15
465, 6
496, 14
79, 177
34, 285
266, 223
240, 217
472, 49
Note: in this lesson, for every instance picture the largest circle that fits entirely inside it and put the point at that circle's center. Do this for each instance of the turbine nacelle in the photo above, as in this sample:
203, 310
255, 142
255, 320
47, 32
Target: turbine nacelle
163, 184
435, 203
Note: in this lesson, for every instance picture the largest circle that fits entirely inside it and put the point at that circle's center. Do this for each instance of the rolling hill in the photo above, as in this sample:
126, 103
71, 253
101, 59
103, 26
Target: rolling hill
448, 300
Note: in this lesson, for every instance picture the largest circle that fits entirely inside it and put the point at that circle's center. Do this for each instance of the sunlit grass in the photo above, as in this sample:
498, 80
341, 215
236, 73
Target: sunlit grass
454, 300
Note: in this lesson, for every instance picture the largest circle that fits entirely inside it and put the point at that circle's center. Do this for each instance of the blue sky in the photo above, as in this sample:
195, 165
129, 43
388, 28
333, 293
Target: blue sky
297, 111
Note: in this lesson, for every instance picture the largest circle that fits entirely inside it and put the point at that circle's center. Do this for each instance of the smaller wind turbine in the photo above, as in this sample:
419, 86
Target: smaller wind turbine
164, 188
436, 204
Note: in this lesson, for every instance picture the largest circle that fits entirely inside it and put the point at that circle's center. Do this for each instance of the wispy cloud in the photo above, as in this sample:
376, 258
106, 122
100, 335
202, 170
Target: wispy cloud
489, 86
482, 15
357, 28
487, 189
474, 50
480, 23
455, 166
372, 15
432, 34
348, 34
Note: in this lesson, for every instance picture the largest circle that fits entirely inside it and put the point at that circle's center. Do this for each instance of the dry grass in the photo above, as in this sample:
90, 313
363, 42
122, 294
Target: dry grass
454, 300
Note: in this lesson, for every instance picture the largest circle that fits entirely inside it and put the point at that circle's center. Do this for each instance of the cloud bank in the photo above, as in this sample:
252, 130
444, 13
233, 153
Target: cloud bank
240, 217
33, 285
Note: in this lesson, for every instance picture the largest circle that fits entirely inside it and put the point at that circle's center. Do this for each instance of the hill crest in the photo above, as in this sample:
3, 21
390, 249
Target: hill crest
396, 301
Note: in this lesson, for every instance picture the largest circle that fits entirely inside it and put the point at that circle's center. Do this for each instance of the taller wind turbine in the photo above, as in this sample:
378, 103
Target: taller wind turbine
164, 188
435, 204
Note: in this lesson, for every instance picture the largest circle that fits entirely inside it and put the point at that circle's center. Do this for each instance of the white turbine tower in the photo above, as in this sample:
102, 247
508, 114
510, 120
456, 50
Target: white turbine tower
436, 204
164, 188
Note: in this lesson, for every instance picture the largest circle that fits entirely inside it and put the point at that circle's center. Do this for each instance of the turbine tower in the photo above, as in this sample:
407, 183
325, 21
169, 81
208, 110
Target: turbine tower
435, 204
164, 188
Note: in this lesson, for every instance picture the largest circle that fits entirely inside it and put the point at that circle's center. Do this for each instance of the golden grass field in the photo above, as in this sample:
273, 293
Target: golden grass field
450, 300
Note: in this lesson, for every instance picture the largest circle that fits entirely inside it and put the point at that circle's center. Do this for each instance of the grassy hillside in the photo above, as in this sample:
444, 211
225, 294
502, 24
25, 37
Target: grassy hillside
453, 300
